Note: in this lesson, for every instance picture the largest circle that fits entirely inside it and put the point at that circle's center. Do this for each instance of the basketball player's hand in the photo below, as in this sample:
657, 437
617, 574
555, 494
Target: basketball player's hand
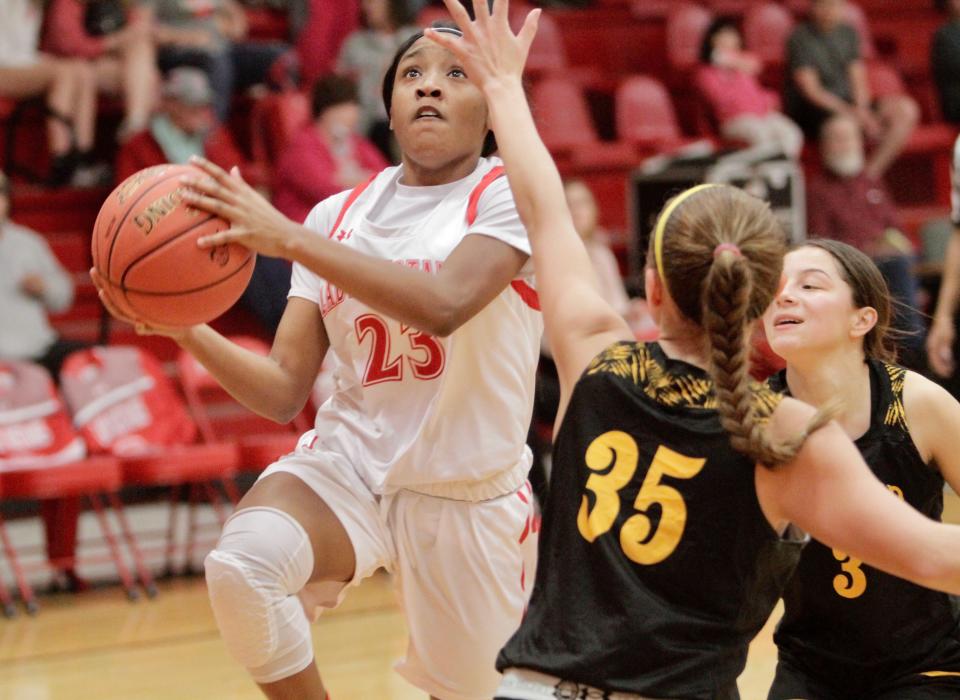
254, 222
940, 346
489, 50
140, 326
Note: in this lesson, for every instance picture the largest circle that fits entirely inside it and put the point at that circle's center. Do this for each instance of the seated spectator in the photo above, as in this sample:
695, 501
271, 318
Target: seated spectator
328, 155
945, 61
33, 284
124, 59
211, 35
827, 76
184, 126
365, 56
847, 204
583, 209
68, 86
744, 109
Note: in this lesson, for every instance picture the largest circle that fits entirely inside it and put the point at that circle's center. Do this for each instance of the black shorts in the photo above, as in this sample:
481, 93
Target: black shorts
792, 684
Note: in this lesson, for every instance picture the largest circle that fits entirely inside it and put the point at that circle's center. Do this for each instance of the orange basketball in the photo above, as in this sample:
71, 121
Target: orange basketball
145, 247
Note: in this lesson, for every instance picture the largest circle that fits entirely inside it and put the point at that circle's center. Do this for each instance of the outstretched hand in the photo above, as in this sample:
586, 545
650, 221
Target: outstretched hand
254, 222
489, 50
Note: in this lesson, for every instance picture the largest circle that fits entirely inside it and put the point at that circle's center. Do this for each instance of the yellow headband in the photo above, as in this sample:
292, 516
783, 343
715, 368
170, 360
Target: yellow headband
662, 225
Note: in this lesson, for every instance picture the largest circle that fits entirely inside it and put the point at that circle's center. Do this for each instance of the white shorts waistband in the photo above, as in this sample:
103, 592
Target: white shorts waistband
523, 684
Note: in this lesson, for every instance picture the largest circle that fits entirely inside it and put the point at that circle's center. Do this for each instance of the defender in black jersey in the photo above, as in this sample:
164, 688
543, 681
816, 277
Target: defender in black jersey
666, 546
851, 632
657, 565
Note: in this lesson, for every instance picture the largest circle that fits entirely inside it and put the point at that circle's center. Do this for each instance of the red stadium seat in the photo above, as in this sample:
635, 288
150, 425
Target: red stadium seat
766, 28
884, 79
686, 25
645, 115
96, 480
562, 115
220, 417
564, 121
651, 9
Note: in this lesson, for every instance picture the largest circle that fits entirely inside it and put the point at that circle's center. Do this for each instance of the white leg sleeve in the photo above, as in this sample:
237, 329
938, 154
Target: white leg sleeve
261, 562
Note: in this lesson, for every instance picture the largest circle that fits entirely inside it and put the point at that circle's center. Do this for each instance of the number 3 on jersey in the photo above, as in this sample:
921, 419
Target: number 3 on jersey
614, 456
853, 582
426, 356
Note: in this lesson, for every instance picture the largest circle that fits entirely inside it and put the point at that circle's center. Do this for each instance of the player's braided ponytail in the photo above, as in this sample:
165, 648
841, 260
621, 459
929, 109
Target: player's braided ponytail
720, 252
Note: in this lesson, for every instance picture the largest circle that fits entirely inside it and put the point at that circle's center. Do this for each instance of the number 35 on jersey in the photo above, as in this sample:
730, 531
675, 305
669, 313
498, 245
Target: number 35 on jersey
613, 458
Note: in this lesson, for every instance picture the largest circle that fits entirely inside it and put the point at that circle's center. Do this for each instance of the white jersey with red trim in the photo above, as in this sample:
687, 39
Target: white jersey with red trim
437, 415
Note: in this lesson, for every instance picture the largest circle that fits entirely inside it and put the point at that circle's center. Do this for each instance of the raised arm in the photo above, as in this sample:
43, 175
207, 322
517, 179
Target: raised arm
578, 321
829, 491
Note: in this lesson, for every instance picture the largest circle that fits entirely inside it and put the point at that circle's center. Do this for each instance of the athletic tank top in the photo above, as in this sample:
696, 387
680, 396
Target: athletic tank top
842, 615
657, 566
443, 416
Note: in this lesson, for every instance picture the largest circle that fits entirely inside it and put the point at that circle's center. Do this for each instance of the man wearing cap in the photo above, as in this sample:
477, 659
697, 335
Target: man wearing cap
185, 125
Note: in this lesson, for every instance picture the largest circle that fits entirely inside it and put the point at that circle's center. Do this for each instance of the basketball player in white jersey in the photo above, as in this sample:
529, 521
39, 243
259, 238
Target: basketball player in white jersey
418, 282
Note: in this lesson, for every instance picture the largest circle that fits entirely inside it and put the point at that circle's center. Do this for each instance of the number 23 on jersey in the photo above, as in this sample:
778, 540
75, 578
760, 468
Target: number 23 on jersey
613, 457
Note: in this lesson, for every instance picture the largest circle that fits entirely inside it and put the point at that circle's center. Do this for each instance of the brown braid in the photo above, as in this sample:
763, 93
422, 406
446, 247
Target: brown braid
725, 292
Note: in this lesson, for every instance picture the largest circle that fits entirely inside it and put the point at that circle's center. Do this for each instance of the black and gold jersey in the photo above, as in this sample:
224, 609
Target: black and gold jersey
847, 624
657, 566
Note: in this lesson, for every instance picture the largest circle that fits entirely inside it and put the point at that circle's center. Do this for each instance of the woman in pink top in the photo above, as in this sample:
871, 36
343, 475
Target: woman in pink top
744, 109
123, 60
328, 155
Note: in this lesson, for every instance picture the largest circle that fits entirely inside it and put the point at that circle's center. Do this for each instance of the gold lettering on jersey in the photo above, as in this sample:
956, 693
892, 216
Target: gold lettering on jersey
147, 220
331, 296
635, 536
613, 458
852, 583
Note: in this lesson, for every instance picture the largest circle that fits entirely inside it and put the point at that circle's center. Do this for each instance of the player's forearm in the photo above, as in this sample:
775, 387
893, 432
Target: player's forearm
258, 382
950, 284
410, 296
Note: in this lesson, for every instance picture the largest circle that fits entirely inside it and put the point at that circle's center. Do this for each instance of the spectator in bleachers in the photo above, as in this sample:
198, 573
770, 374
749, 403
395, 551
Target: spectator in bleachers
942, 341
212, 35
365, 55
184, 126
326, 156
585, 213
848, 204
827, 76
742, 107
945, 61
123, 57
68, 86
33, 285
329, 154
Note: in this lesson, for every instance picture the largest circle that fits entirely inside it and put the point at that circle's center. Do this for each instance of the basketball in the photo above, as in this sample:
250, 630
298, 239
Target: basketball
145, 247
